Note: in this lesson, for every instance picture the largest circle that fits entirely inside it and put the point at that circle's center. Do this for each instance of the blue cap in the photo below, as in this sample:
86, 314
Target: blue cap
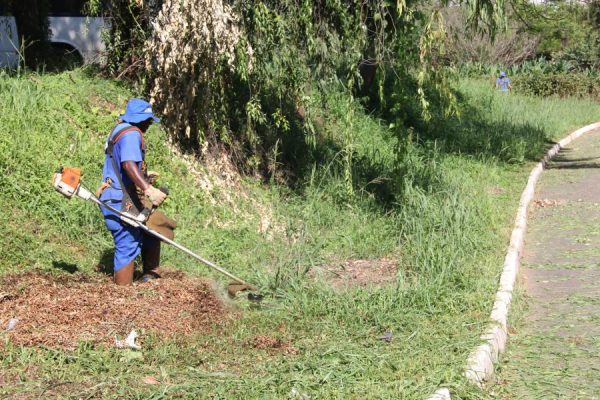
138, 110
502, 73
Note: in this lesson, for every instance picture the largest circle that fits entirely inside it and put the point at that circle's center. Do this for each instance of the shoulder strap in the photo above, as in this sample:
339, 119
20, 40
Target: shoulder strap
127, 204
112, 140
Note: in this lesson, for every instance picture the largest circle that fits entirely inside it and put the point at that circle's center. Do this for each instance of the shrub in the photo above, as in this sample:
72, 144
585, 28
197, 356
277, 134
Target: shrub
579, 84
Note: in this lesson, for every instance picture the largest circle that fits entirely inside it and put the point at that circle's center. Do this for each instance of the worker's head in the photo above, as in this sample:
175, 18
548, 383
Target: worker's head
139, 113
502, 74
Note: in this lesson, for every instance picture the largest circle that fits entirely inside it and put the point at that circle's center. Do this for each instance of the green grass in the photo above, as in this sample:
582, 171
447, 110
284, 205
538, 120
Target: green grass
451, 210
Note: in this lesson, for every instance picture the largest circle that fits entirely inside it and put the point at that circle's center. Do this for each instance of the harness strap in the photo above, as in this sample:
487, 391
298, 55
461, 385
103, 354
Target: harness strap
127, 204
103, 186
119, 134
110, 144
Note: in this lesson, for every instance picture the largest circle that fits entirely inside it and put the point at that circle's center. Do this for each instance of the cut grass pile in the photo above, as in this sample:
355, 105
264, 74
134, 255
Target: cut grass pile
445, 232
60, 311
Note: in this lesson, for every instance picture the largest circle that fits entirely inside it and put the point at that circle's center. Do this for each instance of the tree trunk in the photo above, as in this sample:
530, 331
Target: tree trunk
31, 17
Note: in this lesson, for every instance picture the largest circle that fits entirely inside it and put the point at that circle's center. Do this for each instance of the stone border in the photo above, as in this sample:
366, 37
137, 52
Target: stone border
480, 363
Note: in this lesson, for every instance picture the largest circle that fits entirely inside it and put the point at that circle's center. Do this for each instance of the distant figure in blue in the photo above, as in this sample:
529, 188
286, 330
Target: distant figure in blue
503, 83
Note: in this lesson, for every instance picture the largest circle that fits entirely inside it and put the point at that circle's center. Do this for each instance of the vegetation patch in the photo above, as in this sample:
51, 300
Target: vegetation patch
273, 344
359, 272
422, 202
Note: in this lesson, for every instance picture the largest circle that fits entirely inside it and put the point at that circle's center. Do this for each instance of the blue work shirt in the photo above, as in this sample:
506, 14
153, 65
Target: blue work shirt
128, 240
503, 83
127, 148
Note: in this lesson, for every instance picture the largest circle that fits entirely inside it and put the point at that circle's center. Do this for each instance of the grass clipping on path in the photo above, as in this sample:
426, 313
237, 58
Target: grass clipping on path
59, 311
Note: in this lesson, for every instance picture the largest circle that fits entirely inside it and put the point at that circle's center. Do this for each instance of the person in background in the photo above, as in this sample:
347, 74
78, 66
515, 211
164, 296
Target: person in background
503, 83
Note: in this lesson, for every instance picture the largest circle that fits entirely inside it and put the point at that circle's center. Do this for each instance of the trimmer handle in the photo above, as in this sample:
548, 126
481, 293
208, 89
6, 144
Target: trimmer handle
147, 211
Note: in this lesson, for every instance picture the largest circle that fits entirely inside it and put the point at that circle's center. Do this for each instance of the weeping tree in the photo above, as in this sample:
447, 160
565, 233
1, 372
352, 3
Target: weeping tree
240, 73
515, 45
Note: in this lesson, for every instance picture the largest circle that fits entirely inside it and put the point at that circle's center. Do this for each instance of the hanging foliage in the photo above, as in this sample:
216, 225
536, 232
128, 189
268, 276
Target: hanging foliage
241, 73
190, 57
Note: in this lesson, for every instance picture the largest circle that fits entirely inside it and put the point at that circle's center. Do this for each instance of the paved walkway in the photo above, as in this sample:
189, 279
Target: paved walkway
555, 351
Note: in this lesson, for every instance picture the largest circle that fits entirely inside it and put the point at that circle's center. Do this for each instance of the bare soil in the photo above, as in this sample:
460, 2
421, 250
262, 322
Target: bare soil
60, 311
359, 272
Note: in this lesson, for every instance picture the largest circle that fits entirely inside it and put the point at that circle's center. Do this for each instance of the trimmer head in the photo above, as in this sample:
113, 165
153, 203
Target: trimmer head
234, 288
255, 297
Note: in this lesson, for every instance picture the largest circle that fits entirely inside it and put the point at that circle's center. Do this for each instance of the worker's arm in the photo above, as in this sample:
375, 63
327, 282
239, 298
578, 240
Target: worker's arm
133, 172
155, 196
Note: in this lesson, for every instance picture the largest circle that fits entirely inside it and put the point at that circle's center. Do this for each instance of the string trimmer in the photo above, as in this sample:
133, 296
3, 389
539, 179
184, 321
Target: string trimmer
67, 182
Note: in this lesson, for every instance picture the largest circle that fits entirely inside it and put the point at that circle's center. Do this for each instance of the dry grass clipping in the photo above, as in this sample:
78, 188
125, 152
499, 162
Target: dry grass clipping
189, 40
60, 311
351, 273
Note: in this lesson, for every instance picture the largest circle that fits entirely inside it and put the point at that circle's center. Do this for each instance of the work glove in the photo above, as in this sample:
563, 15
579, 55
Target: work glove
155, 196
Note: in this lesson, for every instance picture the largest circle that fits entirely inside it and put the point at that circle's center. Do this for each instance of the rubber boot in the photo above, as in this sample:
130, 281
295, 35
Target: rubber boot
124, 276
151, 262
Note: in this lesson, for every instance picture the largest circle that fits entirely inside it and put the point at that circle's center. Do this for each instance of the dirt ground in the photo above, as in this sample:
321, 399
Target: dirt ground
350, 273
59, 311
554, 353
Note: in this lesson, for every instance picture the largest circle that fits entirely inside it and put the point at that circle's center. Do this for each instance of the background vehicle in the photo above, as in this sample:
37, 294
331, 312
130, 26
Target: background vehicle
71, 32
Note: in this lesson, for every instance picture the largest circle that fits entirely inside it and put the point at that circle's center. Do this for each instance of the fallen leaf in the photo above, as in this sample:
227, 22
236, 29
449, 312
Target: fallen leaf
150, 380
387, 336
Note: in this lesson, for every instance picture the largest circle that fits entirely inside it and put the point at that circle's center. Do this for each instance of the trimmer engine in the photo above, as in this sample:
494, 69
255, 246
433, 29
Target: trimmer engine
66, 181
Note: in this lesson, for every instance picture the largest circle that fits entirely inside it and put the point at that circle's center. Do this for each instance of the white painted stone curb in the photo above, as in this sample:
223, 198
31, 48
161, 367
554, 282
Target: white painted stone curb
480, 363
441, 394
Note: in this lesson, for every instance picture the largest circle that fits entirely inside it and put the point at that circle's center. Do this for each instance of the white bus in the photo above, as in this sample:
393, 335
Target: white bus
70, 30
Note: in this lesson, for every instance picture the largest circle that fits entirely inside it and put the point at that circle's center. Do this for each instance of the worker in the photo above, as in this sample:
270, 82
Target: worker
503, 83
128, 186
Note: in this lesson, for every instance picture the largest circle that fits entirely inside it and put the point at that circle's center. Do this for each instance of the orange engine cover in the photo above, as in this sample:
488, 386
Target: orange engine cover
71, 176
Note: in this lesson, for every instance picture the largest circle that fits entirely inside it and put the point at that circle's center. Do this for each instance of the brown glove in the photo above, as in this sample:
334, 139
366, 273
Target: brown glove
155, 196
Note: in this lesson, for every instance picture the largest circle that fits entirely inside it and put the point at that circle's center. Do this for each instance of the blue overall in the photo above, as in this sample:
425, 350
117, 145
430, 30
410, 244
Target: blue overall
503, 83
128, 240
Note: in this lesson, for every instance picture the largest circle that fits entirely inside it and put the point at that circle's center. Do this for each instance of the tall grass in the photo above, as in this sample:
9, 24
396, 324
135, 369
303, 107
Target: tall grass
441, 204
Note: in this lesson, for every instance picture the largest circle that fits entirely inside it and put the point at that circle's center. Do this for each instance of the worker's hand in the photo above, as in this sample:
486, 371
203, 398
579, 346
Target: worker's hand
152, 176
155, 196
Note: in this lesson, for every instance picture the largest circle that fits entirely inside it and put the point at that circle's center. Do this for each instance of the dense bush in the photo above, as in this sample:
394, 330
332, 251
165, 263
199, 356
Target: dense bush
556, 84
540, 77
567, 55
565, 31
509, 47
